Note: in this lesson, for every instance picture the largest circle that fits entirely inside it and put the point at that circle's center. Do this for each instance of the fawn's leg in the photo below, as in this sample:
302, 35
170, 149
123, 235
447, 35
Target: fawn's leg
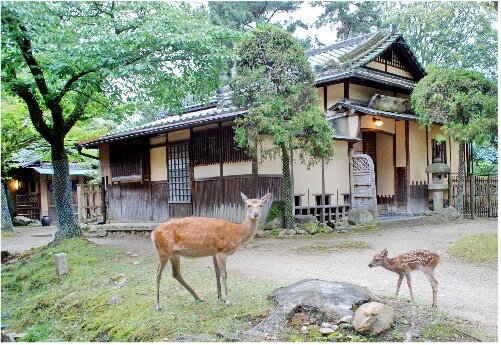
218, 281
161, 266
408, 278
176, 273
221, 260
400, 278
434, 284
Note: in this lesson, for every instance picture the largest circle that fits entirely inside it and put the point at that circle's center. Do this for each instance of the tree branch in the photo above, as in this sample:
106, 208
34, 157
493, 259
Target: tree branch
34, 110
77, 112
70, 82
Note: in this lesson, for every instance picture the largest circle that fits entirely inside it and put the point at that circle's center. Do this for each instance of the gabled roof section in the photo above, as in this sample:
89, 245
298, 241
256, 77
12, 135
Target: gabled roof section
357, 52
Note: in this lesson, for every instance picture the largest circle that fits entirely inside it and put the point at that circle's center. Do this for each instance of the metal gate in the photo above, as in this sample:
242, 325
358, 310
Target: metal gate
363, 183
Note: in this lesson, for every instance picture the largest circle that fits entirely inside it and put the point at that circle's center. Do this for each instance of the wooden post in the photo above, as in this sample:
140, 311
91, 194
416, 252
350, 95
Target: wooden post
489, 200
449, 197
323, 190
407, 163
472, 196
80, 203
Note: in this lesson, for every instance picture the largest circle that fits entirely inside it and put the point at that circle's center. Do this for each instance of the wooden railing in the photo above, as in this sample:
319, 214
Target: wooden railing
332, 212
89, 203
28, 206
481, 192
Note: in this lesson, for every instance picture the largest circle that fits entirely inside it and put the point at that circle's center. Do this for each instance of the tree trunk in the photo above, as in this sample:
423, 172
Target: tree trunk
288, 197
461, 178
6, 219
63, 196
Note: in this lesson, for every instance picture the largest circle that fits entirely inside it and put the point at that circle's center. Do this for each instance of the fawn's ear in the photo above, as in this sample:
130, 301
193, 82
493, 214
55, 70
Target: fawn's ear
244, 198
384, 252
266, 198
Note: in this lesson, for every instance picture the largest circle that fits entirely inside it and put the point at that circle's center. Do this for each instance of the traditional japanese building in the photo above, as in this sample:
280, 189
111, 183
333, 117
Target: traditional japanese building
187, 165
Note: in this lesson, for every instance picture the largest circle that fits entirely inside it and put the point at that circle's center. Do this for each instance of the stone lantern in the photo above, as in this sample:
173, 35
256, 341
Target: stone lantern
438, 171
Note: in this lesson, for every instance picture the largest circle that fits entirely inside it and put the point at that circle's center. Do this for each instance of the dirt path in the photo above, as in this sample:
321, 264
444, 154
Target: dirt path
465, 290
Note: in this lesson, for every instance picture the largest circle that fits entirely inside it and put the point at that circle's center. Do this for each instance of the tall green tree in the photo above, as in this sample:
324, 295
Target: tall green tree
275, 83
351, 18
244, 15
449, 33
465, 102
65, 58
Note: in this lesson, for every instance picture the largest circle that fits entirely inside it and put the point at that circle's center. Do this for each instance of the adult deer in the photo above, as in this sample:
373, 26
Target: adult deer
404, 263
200, 236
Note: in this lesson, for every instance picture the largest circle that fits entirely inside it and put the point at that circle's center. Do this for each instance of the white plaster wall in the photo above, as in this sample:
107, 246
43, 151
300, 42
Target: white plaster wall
239, 168
401, 161
309, 181
158, 164
270, 165
364, 93
388, 124
335, 93
44, 201
206, 171
417, 152
181, 135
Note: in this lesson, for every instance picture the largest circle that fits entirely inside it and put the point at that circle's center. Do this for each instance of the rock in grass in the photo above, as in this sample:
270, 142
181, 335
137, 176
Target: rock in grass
325, 325
346, 319
373, 318
21, 221
114, 299
326, 330
61, 263
7, 337
304, 330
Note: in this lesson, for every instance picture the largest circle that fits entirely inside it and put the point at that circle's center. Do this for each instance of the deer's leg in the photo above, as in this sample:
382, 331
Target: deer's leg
161, 266
176, 273
400, 278
218, 278
221, 260
434, 284
408, 278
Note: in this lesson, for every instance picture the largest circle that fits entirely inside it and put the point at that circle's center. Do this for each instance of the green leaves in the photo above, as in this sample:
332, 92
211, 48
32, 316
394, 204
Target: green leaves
275, 83
465, 101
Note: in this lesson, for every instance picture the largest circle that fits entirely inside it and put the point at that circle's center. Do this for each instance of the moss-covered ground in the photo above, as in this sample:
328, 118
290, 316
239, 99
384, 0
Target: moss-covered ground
75, 307
476, 248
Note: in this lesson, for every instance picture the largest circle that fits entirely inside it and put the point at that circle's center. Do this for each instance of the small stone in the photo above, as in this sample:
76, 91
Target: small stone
118, 284
61, 263
260, 234
136, 262
19, 335
304, 330
282, 233
300, 231
326, 325
373, 318
5, 315
411, 335
114, 299
4, 327
134, 254
346, 319
7, 337
326, 331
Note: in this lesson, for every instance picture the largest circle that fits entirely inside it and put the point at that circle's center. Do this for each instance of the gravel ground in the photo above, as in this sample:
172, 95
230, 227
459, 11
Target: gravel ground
468, 291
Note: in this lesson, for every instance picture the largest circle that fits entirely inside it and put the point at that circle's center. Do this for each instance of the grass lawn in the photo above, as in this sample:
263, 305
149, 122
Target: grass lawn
75, 307
476, 248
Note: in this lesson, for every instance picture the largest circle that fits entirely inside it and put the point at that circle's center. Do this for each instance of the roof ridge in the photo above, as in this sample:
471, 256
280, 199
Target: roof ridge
338, 44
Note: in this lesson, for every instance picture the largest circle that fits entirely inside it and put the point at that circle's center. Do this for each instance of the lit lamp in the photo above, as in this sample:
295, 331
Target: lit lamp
377, 122
15, 184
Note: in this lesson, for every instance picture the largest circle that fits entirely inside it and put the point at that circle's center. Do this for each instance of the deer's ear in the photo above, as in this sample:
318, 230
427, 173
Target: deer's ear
244, 198
266, 198
384, 252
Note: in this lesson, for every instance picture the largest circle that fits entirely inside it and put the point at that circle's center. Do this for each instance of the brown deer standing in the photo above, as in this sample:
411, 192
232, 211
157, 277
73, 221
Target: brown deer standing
200, 236
403, 264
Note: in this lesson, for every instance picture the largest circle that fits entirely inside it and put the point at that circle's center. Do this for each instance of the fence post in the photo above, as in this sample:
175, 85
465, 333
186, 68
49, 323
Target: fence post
472, 196
489, 200
79, 201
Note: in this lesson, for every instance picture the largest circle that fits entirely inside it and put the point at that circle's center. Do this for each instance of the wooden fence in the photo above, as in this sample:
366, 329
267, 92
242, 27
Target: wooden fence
89, 203
481, 192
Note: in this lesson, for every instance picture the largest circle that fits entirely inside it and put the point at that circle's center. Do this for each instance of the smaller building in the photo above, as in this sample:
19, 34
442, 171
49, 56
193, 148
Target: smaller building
32, 192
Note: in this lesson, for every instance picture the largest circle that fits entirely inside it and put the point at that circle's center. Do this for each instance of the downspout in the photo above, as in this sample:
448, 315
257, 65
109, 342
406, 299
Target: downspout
103, 189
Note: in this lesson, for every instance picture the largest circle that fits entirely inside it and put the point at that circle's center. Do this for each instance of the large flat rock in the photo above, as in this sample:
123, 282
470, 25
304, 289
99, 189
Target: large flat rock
322, 300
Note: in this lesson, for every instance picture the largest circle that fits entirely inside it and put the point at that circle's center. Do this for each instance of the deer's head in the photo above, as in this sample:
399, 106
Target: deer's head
378, 259
255, 206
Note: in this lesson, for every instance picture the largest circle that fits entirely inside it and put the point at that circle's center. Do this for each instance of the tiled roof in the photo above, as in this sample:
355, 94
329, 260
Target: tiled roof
337, 61
367, 74
363, 108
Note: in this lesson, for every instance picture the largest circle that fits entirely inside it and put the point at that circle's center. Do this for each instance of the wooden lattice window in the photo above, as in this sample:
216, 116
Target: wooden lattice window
126, 160
391, 59
439, 150
178, 164
210, 146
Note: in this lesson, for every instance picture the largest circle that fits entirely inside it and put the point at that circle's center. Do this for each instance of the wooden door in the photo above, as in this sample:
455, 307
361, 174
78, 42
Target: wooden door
401, 187
179, 180
363, 183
